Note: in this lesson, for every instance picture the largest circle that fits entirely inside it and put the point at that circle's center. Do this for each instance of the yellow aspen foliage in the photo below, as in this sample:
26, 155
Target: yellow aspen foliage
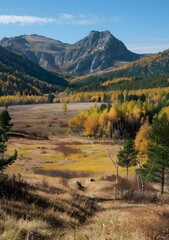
91, 125
164, 110
124, 108
136, 111
77, 122
109, 130
103, 119
113, 114
141, 142
130, 106
64, 107
94, 98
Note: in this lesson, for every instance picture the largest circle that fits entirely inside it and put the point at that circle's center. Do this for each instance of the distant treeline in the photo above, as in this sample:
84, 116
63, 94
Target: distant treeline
151, 95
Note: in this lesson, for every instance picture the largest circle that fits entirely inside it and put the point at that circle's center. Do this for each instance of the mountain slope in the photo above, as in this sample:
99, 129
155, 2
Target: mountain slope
149, 72
97, 51
39, 49
18, 74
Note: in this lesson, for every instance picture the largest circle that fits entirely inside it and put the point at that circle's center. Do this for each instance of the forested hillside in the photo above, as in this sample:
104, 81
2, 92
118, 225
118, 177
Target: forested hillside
148, 72
20, 75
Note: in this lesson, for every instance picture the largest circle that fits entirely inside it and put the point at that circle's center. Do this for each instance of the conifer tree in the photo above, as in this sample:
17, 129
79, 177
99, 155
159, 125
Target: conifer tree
5, 120
127, 157
5, 161
4, 128
156, 169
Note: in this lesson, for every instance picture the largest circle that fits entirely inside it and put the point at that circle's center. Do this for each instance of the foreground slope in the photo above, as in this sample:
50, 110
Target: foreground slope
38, 206
18, 74
147, 72
97, 51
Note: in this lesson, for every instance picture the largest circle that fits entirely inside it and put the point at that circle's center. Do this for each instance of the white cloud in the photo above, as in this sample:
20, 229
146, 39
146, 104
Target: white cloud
60, 19
14, 19
79, 19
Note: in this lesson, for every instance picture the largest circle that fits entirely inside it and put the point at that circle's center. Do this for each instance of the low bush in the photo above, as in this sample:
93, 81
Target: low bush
67, 150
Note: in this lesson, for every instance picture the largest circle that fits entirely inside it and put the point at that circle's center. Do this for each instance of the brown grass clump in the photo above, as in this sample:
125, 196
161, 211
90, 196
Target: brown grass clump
67, 150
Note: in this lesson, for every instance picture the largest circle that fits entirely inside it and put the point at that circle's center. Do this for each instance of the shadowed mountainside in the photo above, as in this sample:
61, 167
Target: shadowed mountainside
18, 74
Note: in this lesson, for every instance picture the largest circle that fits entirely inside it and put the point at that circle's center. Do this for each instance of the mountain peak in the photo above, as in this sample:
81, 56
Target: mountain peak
97, 51
100, 32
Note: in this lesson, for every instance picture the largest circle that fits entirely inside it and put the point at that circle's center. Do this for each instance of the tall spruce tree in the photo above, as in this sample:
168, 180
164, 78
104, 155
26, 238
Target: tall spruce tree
4, 128
127, 156
5, 120
156, 169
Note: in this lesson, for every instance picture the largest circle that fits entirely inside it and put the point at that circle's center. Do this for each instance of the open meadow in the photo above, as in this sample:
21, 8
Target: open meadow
66, 188
45, 146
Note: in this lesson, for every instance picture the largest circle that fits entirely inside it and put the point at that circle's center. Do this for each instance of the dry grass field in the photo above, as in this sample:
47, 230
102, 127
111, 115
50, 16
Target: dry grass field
46, 201
44, 144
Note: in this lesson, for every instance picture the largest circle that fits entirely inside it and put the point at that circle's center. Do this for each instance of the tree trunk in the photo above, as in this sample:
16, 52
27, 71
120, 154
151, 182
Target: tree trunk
111, 132
117, 173
142, 187
140, 184
163, 180
127, 171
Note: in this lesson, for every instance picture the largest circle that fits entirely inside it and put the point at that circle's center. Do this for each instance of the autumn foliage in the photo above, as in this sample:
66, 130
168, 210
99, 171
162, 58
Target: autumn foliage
123, 118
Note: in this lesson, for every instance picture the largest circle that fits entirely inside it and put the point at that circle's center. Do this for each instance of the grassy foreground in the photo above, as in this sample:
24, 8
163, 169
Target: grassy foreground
58, 209
46, 202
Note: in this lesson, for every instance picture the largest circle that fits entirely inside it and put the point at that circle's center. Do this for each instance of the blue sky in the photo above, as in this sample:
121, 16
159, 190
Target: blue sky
141, 24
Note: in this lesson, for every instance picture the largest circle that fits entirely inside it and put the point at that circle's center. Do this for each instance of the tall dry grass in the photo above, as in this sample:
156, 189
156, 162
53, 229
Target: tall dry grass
44, 210
40, 210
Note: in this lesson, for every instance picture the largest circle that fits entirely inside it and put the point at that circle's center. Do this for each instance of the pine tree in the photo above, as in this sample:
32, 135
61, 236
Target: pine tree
157, 167
99, 99
51, 98
5, 161
3, 140
5, 120
127, 157
4, 128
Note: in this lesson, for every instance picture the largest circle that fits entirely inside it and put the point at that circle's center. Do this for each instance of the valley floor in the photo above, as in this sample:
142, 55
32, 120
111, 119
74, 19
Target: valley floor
52, 205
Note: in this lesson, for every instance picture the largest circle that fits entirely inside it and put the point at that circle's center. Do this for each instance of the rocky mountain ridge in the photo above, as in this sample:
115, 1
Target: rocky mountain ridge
95, 52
